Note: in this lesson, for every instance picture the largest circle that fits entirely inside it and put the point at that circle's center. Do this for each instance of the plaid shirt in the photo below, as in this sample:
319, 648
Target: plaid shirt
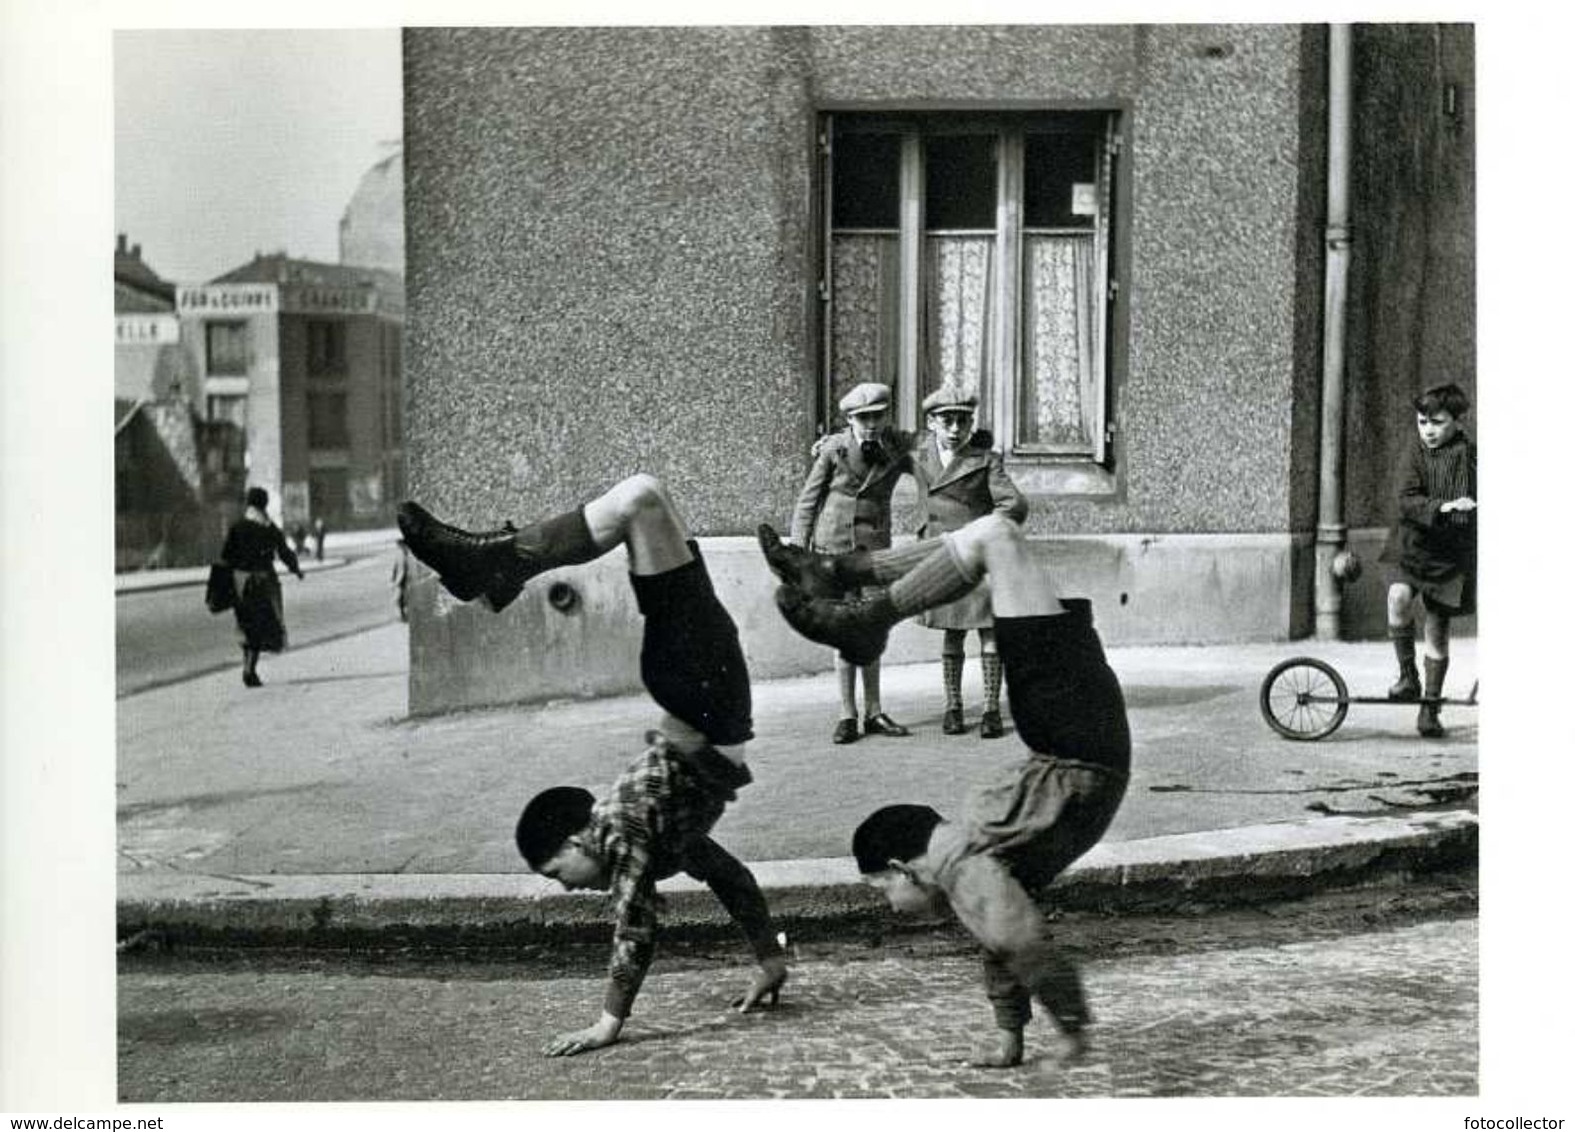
639, 830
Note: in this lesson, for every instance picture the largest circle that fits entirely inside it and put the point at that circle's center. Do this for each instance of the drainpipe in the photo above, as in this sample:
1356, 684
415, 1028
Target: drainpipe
1337, 252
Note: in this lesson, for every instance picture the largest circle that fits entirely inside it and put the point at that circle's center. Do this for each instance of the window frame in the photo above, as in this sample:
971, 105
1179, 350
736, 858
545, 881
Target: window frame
317, 423
241, 328
333, 358
1007, 371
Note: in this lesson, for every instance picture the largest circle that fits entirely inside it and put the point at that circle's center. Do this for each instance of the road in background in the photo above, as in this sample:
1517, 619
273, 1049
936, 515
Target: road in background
166, 635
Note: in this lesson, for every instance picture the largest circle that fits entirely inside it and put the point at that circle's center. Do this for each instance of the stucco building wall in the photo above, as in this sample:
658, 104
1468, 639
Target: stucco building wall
611, 260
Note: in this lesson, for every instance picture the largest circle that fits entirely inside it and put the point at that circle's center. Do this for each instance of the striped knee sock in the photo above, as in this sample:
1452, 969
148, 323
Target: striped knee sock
991, 663
883, 567
938, 579
951, 679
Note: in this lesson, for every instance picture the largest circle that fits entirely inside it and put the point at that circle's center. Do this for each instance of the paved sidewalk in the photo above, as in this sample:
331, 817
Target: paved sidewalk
314, 805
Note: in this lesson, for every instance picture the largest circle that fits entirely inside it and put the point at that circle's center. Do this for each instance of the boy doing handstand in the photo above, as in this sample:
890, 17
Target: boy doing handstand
1019, 832
657, 818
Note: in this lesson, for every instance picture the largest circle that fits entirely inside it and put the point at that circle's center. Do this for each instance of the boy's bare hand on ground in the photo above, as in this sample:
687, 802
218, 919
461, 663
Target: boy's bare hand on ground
1004, 1052
604, 1032
766, 983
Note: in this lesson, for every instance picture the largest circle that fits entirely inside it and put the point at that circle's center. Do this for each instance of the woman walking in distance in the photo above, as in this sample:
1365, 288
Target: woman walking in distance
249, 550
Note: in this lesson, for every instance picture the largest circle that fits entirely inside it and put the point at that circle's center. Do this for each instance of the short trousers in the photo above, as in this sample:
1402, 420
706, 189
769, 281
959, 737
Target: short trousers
690, 658
1454, 596
1043, 814
1066, 702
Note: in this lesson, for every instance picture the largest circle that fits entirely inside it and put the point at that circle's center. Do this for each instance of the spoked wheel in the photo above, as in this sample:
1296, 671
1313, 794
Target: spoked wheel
1303, 698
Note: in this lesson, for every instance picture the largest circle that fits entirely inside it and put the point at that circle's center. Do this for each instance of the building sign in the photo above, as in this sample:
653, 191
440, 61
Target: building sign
146, 329
1084, 200
227, 298
304, 298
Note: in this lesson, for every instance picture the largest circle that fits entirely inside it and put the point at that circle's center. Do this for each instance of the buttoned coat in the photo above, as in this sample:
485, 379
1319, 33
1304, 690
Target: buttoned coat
845, 504
975, 483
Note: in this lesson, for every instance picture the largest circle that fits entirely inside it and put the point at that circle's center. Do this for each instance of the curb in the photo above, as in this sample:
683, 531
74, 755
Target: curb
1247, 865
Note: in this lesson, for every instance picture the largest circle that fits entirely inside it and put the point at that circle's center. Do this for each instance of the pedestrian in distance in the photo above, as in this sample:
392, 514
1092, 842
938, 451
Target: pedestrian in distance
1432, 547
656, 819
319, 536
845, 505
961, 478
1020, 831
250, 546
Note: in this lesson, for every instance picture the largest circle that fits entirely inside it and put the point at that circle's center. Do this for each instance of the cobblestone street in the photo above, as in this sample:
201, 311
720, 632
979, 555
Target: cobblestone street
1277, 1012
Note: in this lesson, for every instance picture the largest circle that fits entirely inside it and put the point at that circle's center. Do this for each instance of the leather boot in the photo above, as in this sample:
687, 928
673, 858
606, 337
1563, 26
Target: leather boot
468, 563
1427, 723
814, 574
856, 627
496, 564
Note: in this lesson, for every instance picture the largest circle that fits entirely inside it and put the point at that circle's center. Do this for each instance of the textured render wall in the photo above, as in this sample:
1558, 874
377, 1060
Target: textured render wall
1413, 255
607, 267
1220, 176
609, 263
619, 218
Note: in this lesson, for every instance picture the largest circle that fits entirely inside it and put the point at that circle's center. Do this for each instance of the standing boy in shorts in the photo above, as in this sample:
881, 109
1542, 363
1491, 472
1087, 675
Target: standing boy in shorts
960, 478
1432, 549
657, 818
845, 504
1019, 832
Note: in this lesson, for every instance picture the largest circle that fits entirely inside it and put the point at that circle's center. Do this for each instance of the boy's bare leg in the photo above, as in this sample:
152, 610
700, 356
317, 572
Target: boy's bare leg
639, 513
847, 688
1020, 585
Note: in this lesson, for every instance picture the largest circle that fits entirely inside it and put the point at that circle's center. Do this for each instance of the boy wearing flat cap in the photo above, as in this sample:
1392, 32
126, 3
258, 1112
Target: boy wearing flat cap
961, 478
845, 505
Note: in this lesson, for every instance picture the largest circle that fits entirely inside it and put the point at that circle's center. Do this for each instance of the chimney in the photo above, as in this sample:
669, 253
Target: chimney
136, 251
120, 243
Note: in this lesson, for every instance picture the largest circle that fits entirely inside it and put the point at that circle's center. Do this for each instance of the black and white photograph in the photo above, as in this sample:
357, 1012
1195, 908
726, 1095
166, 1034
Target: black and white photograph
781, 559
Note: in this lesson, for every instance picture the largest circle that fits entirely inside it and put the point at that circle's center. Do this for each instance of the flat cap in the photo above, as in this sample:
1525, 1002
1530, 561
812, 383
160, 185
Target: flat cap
951, 396
866, 397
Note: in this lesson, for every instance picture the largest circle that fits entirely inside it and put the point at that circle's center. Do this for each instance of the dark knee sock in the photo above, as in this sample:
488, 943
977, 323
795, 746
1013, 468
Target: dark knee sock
1404, 638
563, 540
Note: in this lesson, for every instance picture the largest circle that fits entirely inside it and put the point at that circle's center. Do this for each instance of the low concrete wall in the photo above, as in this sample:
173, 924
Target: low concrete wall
1146, 589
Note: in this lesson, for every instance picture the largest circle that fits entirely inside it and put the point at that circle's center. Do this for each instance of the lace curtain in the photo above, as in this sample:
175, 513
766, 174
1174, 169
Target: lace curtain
1057, 397
957, 313
866, 285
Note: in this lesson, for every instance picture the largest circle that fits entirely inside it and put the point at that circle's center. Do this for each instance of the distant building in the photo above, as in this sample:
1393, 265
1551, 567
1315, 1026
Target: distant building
304, 359
372, 229
149, 363
173, 470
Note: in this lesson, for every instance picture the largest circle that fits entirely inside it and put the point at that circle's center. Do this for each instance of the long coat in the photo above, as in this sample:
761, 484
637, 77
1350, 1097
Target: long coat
1433, 551
974, 484
249, 549
845, 504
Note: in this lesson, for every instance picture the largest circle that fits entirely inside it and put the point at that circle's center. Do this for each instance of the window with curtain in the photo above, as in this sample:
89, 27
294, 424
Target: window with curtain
974, 249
